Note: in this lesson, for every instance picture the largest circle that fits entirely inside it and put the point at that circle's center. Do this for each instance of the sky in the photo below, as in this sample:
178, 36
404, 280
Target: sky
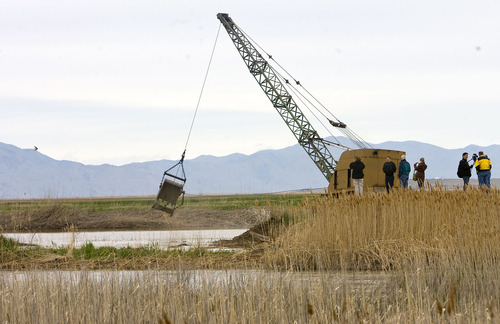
116, 82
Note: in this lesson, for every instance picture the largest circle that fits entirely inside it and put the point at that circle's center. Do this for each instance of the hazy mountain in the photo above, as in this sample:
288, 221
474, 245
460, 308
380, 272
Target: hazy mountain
25, 173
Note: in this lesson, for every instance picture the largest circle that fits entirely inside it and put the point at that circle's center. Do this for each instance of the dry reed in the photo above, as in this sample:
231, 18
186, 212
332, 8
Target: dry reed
433, 255
403, 230
439, 245
226, 297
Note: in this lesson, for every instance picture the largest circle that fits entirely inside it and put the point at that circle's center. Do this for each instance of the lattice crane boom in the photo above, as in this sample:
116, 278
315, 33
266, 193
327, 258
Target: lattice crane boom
281, 99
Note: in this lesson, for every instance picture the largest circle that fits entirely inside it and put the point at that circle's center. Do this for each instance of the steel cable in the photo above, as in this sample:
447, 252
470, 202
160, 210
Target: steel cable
202, 87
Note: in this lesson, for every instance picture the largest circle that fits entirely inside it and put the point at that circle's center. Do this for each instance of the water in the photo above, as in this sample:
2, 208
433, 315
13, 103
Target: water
357, 280
162, 239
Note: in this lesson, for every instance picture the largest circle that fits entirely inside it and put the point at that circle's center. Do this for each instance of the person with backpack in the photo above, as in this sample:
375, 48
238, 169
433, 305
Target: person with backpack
404, 172
464, 169
420, 167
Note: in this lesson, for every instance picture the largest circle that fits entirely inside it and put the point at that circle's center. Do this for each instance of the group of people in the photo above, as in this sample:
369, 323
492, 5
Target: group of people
482, 164
404, 170
483, 168
389, 169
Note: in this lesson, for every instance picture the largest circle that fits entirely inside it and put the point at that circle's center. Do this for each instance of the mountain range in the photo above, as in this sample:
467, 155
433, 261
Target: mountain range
26, 173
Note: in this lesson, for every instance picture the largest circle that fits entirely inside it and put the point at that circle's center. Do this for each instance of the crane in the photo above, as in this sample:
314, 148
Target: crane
337, 173
281, 99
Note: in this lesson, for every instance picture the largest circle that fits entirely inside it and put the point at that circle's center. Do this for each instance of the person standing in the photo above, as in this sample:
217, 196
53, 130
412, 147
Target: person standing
389, 169
357, 175
420, 167
483, 167
464, 169
404, 172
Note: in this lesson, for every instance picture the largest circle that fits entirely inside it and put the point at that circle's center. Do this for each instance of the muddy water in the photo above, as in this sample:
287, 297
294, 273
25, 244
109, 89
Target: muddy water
357, 280
163, 239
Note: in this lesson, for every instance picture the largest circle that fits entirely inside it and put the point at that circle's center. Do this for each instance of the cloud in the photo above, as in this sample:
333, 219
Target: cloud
110, 81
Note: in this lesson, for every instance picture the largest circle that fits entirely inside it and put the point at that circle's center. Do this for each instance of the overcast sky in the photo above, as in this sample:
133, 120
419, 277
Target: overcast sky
118, 81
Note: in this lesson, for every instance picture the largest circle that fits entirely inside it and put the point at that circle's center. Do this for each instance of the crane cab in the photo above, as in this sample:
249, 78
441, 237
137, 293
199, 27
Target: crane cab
373, 159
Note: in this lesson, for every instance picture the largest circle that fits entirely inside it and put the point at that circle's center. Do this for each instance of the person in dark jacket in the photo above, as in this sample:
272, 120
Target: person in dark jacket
357, 175
404, 172
389, 169
464, 169
420, 167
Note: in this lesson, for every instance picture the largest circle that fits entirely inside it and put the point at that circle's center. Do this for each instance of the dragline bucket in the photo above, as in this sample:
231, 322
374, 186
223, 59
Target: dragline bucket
171, 188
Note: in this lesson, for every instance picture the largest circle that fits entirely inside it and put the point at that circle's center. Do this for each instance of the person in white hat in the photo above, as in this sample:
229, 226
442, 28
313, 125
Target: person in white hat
404, 172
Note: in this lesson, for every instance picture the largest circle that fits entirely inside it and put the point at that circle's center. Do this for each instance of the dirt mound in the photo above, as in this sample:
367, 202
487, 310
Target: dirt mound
264, 232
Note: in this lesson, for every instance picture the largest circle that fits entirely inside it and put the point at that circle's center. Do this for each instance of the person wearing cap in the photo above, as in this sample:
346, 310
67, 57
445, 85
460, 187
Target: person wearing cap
464, 169
483, 167
357, 175
404, 172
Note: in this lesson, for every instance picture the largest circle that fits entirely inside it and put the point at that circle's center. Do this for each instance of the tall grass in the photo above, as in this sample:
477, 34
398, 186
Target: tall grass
407, 257
442, 247
230, 297
435, 228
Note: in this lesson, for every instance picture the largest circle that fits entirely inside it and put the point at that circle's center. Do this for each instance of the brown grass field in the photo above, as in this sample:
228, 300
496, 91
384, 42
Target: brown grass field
434, 256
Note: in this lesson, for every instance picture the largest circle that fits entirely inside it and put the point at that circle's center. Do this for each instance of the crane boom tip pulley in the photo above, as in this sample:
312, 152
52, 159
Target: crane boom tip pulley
337, 124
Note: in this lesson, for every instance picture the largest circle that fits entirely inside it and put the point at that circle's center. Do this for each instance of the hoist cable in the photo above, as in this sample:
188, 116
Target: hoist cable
355, 138
306, 102
302, 99
295, 80
180, 164
202, 88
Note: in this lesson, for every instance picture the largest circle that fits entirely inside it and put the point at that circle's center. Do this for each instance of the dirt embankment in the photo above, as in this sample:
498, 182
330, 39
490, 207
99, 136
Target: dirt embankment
55, 218
58, 218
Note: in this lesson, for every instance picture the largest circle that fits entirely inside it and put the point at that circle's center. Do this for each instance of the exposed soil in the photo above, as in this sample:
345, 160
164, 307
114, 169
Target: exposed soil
265, 231
54, 218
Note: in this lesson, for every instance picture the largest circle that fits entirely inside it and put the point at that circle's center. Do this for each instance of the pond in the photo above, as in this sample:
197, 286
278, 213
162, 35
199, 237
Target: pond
163, 239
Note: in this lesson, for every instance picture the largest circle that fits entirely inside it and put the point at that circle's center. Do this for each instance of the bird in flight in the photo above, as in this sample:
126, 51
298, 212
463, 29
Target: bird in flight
35, 148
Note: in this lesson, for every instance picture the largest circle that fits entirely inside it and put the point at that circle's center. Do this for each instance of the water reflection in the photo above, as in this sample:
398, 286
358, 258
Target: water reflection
356, 280
163, 239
